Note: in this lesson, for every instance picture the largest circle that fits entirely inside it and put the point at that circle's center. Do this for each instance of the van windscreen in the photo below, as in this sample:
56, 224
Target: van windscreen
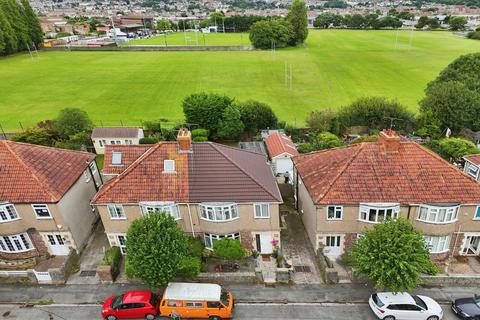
224, 298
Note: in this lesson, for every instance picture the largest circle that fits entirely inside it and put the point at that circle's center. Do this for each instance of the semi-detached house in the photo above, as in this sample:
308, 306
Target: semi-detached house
45, 196
342, 191
212, 191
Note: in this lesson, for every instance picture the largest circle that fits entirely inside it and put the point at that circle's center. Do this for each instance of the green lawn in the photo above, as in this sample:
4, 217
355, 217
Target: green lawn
192, 39
334, 68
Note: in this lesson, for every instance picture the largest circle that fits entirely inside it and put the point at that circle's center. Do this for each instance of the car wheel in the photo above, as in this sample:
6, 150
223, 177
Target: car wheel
215, 318
111, 317
149, 316
389, 318
432, 318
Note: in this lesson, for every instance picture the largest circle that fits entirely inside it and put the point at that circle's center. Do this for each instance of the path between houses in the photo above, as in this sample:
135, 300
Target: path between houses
344, 293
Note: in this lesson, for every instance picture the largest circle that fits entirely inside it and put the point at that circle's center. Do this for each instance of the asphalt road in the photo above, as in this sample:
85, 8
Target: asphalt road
268, 311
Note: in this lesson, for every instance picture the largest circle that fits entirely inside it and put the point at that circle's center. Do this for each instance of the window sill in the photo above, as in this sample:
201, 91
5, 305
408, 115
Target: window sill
370, 222
12, 220
439, 252
44, 218
431, 222
17, 251
219, 221
337, 219
118, 218
262, 217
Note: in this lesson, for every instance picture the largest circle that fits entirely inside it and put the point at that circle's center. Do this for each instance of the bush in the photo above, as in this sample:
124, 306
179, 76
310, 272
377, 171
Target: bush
323, 120
199, 133
474, 35
365, 138
71, 121
200, 139
257, 116
264, 33
195, 247
112, 257
148, 140
228, 249
35, 135
189, 267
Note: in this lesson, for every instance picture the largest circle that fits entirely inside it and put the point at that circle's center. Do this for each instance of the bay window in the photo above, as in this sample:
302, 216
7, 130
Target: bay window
168, 207
437, 244
8, 213
436, 214
377, 213
211, 238
219, 212
15, 243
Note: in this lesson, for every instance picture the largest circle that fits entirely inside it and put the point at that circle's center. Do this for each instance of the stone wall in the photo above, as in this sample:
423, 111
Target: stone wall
452, 280
226, 277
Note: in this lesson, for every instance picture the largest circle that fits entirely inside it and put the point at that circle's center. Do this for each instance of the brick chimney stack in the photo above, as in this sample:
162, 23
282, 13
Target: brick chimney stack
388, 141
184, 139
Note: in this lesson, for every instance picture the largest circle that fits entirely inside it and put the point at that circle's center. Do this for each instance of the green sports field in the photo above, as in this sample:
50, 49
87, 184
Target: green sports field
192, 39
334, 68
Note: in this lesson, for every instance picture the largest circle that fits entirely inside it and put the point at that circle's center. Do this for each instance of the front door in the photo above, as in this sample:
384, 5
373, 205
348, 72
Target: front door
472, 244
333, 246
57, 245
265, 241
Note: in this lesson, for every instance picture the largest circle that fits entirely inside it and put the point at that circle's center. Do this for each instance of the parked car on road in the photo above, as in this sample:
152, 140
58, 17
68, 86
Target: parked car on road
196, 300
404, 306
467, 308
131, 305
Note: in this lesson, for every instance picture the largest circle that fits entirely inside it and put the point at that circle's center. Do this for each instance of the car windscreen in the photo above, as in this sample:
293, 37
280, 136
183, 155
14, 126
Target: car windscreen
377, 300
116, 302
476, 298
419, 302
153, 299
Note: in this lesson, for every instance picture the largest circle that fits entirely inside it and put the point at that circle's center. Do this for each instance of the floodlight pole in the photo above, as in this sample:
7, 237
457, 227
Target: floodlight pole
291, 72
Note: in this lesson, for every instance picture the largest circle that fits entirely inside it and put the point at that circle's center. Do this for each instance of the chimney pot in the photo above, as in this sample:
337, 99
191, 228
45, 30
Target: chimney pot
184, 140
389, 141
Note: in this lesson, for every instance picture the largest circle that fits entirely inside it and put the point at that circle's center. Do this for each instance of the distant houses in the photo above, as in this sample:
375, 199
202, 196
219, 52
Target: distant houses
104, 136
281, 149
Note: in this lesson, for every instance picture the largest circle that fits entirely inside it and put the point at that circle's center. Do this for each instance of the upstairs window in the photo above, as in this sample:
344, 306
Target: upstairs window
374, 213
434, 214
41, 211
169, 166
219, 212
472, 170
334, 212
116, 211
168, 207
8, 213
261, 210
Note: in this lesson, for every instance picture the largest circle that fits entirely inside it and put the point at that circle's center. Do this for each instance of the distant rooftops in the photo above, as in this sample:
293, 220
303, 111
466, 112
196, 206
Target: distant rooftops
117, 132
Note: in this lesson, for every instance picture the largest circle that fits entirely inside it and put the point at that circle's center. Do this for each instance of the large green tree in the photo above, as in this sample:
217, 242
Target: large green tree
457, 23
392, 255
8, 39
206, 110
33, 24
297, 16
71, 121
257, 116
156, 248
268, 33
13, 11
231, 125
163, 25
327, 19
323, 120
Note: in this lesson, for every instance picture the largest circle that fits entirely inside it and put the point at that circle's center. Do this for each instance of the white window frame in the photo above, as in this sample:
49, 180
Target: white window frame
426, 212
477, 210
336, 209
93, 167
38, 206
471, 173
123, 248
16, 241
100, 143
169, 166
217, 212
165, 206
7, 211
117, 208
119, 157
366, 207
442, 243
215, 237
261, 207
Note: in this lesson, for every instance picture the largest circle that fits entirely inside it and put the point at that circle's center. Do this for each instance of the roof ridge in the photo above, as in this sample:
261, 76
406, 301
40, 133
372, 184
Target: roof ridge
28, 169
214, 145
127, 171
226, 146
49, 148
342, 171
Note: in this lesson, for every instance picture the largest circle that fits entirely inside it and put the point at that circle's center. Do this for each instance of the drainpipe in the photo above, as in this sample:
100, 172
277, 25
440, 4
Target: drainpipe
190, 216
296, 189
408, 214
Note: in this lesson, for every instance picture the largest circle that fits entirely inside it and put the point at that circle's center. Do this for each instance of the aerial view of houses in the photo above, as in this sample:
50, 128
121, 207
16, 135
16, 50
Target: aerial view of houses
251, 160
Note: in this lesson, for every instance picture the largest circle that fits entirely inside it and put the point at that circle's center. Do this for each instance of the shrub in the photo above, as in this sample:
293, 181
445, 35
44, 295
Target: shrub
264, 33
112, 257
474, 35
228, 249
199, 133
323, 120
35, 135
257, 115
189, 267
365, 138
200, 139
195, 247
148, 140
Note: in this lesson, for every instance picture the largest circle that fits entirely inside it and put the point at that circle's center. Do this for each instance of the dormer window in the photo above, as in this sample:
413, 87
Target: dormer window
116, 158
169, 166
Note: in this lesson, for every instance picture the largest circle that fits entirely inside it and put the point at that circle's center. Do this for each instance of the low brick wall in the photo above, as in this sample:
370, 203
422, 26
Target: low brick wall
154, 48
227, 277
466, 280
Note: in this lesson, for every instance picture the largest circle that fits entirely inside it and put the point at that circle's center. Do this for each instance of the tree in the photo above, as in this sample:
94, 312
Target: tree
8, 39
33, 24
453, 149
264, 34
164, 25
324, 140
392, 255
257, 116
323, 120
71, 121
35, 135
13, 13
228, 249
327, 19
457, 23
231, 125
465, 69
297, 16
206, 110
156, 247
374, 113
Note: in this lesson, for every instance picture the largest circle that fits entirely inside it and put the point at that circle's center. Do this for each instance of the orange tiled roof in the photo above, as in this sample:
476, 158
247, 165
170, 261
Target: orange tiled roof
366, 173
279, 143
130, 153
31, 173
474, 158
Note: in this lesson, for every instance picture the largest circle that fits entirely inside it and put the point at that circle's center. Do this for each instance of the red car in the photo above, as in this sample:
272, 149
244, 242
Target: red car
131, 305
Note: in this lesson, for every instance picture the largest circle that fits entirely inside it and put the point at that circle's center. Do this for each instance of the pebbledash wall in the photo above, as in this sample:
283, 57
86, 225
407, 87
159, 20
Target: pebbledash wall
350, 227
246, 224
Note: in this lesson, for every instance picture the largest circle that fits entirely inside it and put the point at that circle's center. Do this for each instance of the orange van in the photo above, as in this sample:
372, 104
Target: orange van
196, 300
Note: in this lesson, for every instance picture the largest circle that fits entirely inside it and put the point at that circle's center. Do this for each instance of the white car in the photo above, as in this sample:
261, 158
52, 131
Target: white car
404, 306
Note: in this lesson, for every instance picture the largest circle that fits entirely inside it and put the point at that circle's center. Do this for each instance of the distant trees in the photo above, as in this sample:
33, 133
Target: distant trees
164, 25
327, 19
356, 21
457, 23
268, 33
242, 23
297, 16
19, 27
425, 21
475, 35
320, 141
